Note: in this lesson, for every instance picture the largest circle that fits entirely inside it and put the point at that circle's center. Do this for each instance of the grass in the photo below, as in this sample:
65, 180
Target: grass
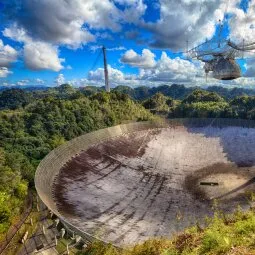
230, 234
61, 247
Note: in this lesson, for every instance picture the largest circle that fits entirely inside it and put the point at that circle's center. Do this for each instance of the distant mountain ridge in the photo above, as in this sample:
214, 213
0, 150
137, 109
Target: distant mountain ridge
180, 91
176, 91
25, 87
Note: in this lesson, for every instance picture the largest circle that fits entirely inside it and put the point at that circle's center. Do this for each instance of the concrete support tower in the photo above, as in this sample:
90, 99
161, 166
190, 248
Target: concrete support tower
107, 86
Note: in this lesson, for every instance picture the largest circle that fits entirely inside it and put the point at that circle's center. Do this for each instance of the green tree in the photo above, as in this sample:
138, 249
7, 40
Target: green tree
14, 98
202, 96
159, 103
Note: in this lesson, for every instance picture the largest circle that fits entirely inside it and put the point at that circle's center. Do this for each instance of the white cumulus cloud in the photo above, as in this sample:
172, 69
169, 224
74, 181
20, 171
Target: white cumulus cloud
38, 55
23, 82
8, 54
69, 22
183, 20
60, 79
39, 81
172, 70
250, 68
166, 69
115, 75
145, 60
50, 24
242, 24
41, 55
4, 72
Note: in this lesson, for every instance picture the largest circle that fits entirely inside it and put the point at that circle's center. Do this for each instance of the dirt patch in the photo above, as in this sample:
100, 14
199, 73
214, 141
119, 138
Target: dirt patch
97, 158
232, 181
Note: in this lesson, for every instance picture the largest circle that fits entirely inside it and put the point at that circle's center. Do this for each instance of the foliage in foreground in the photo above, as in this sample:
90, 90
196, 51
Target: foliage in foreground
13, 190
225, 234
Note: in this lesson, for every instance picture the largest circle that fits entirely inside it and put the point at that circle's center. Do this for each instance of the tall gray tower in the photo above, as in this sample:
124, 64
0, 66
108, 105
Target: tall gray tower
107, 86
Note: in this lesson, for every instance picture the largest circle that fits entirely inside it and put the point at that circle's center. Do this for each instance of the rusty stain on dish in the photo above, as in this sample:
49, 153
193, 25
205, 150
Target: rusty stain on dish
130, 188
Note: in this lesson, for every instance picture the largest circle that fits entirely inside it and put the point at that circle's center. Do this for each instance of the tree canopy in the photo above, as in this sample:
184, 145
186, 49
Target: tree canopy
32, 123
34, 127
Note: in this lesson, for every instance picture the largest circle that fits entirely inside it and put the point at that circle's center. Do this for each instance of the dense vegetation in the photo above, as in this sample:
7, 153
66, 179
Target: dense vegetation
175, 91
32, 124
202, 104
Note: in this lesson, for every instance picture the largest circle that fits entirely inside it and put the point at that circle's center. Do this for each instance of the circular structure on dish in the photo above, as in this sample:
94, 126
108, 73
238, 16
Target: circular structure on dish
154, 181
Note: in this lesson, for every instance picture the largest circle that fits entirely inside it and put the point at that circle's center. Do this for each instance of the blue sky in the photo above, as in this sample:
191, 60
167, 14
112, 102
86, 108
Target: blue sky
49, 42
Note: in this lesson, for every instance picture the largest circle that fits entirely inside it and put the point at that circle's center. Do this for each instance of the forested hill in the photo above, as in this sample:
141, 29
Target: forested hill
34, 123
202, 104
180, 91
174, 91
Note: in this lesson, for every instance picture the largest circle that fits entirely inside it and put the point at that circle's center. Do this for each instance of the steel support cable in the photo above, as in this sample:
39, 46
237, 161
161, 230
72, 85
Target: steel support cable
209, 43
250, 46
96, 61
